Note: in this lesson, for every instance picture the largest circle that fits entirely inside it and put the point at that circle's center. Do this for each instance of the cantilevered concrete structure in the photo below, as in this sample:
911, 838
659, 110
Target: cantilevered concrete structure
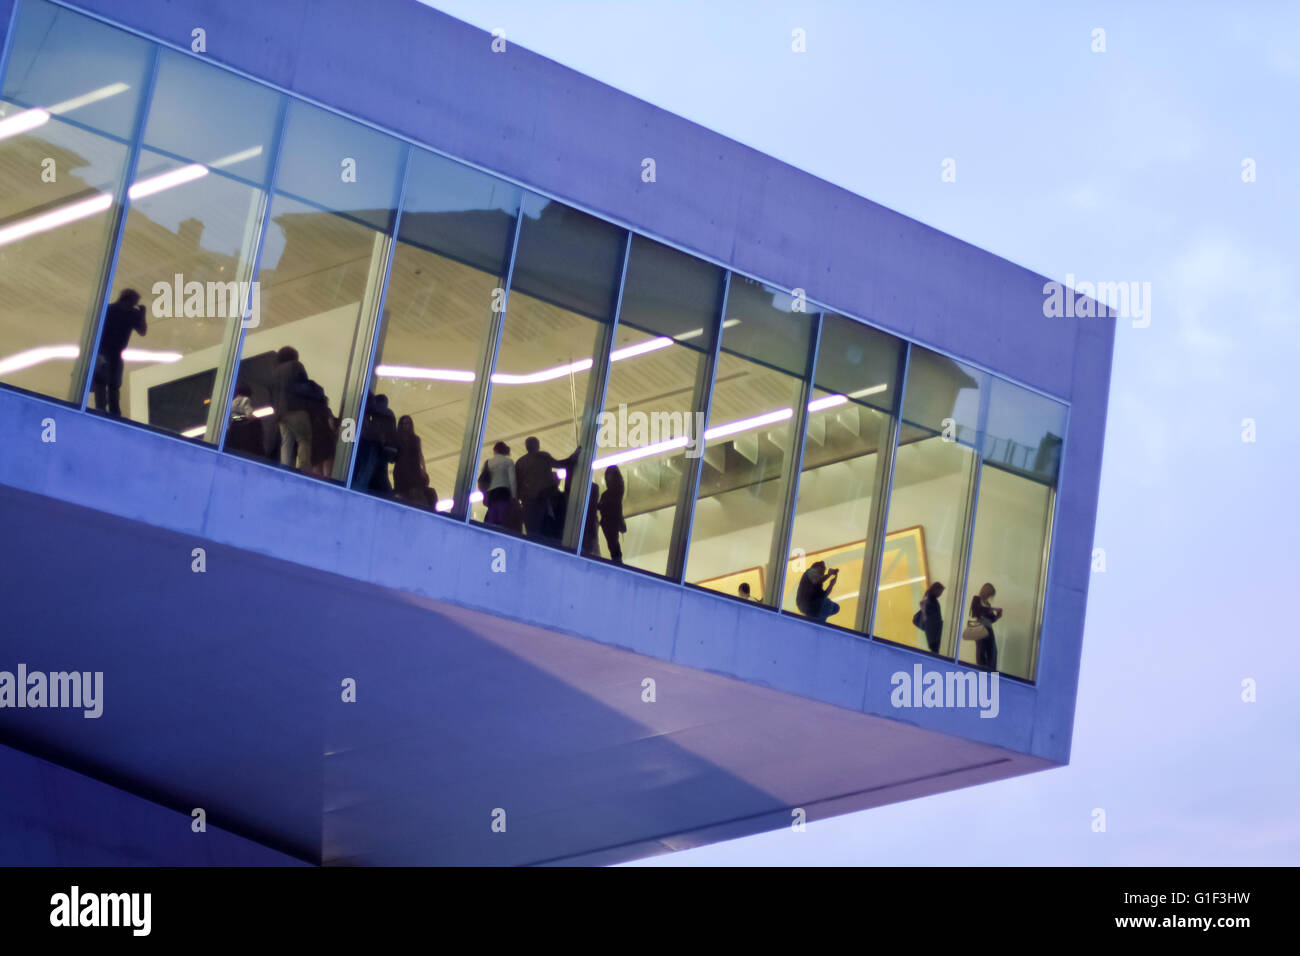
492, 673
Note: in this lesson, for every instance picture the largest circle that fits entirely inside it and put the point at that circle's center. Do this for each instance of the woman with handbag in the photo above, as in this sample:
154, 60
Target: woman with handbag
930, 617
980, 628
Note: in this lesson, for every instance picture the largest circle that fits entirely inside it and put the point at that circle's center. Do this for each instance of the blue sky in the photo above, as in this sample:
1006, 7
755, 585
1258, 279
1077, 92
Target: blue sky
1117, 166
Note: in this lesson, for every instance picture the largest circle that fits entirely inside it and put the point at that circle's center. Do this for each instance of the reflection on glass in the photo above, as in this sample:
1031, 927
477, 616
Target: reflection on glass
749, 440
70, 99
1013, 518
448, 272
848, 425
561, 301
189, 242
934, 473
670, 307
321, 272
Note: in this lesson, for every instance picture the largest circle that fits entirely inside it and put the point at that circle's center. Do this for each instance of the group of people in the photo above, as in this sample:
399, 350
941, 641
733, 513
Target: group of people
526, 496
388, 440
307, 431
813, 600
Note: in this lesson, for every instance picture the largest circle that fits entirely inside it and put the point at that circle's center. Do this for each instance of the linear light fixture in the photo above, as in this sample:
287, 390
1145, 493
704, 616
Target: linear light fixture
167, 180
28, 120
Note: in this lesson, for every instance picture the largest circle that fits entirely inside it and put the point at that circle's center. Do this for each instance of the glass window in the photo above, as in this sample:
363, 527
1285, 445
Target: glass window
557, 318
1013, 520
749, 442
849, 417
929, 502
70, 100
448, 274
320, 275
197, 202
665, 329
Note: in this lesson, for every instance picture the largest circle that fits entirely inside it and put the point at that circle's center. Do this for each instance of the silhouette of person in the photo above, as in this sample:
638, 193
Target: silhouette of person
539, 489
410, 477
986, 648
123, 317
611, 512
324, 431
812, 599
290, 391
497, 482
244, 433
931, 616
377, 447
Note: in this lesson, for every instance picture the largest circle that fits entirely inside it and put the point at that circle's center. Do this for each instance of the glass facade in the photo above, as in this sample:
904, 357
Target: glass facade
759, 386
323, 297
196, 205
935, 463
851, 412
70, 105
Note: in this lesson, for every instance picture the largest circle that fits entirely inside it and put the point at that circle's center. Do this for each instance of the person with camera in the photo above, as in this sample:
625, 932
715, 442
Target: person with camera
123, 317
814, 595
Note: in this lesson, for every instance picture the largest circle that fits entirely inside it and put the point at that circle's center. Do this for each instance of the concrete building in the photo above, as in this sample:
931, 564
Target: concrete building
370, 244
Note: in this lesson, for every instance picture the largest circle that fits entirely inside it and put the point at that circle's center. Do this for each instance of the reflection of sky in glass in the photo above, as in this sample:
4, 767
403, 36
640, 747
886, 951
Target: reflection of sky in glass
1022, 416
437, 184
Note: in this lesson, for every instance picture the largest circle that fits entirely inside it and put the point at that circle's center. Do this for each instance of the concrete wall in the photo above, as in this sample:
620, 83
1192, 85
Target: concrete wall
124, 470
56, 817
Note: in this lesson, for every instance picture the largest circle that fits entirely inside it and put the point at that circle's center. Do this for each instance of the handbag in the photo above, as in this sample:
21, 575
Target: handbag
918, 620
976, 630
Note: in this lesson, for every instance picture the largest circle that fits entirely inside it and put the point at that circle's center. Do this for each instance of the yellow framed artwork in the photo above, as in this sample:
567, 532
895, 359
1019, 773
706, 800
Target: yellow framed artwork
904, 576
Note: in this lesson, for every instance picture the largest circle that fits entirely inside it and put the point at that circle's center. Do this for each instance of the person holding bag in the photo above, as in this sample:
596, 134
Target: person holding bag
980, 628
930, 618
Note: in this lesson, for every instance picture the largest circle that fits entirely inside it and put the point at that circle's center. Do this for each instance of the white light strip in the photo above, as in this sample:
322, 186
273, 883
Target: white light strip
85, 99
645, 451
433, 374
36, 356
747, 424
641, 348
175, 177
864, 392
545, 375
239, 157
23, 122
55, 218
146, 355
28, 120
721, 431
830, 401
696, 333
97, 204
